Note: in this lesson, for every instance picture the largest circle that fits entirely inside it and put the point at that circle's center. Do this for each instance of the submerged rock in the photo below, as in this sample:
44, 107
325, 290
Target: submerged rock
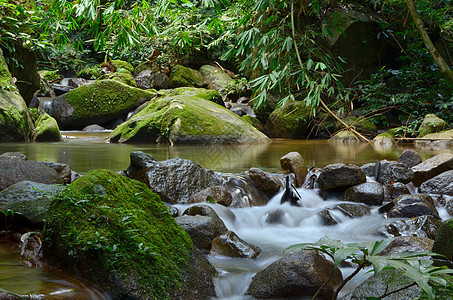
339, 176
298, 274
346, 137
186, 118
229, 244
46, 130
96, 103
432, 167
117, 234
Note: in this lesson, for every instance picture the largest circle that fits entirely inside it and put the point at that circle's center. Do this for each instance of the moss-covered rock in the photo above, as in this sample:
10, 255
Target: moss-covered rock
289, 121
438, 140
183, 119
143, 67
50, 76
124, 77
383, 139
254, 122
15, 121
92, 72
115, 232
122, 65
216, 78
345, 136
432, 124
444, 240
360, 124
46, 129
183, 76
96, 103
211, 95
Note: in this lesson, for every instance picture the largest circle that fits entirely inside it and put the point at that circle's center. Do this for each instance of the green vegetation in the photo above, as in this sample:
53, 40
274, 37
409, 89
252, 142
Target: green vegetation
119, 225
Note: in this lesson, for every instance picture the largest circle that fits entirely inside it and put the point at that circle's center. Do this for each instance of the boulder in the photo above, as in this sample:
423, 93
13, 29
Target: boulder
46, 130
215, 194
359, 123
326, 218
289, 121
203, 225
440, 184
210, 95
183, 76
410, 158
432, 167
63, 170
266, 183
395, 189
14, 170
117, 234
30, 202
438, 140
293, 162
15, 120
299, 274
408, 243
383, 139
78, 82
174, 180
340, 176
230, 245
186, 119
370, 193
90, 73
216, 78
411, 206
345, 137
148, 79
60, 89
432, 124
255, 122
444, 240
95, 103
122, 66
92, 128
123, 77
389, 171
422, 226
353, 210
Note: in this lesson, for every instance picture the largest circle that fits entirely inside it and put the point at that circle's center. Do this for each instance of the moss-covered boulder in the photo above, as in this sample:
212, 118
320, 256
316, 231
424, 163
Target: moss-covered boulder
216, 78
50, 76
186, 119
92, 72
289, 121
117, 233
121, 65
346, 137
183, 76
383, 139
124, 77
255, 122
96, 103
432, 124
15, 121
46, 130
210, 95
360, 124
444, 240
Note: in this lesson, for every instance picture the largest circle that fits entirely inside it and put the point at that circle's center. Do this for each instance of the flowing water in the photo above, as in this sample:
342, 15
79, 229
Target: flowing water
86, 151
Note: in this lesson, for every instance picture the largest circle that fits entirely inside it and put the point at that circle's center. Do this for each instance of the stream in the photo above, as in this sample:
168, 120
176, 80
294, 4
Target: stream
86, 151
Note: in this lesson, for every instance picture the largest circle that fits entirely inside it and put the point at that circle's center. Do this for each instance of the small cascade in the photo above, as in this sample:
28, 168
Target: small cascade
45, 104
243, 191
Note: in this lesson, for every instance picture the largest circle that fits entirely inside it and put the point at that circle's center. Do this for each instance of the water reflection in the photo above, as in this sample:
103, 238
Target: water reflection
86, 151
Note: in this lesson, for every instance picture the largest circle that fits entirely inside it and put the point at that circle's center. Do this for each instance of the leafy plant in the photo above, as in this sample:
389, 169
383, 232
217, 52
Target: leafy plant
415, 265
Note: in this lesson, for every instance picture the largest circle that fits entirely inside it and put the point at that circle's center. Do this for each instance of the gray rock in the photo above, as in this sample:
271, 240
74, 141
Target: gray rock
423, 226
93, 127
353, 210
410, 158
395, 189
294, 163
327, 218
389, 171
77, 82
266, 183
152, 80
15, 170
30, 200
274, 216
217, 194
440, 184
432, 167
408, 243
299, 274
175, 180
370, 193
340, 175
411, 206
63, 170
14, 155
229, 244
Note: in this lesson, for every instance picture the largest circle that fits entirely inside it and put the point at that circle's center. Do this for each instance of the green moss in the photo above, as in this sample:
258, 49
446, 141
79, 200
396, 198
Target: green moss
444, 240
122, 225
124, 77
104, 97
253, 121
182, 76
46, 129
92, 72
122, 65
289, 120
210, 95
431, 124
143, 67
51, 76
34, 113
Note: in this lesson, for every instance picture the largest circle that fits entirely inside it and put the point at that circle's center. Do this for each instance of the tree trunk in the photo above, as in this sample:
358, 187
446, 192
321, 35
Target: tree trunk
443, 66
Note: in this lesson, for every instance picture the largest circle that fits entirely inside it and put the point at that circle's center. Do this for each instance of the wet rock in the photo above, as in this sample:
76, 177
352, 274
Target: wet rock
175, 180
60, 89
370, 193
152, 80
15, 170
78, 82
274, 216
444, 240
410, 158
432, 124
216, 194
450, 207
353, 210
432, 167
440, 184
46, 130
173, 210
181, 76
394, 190
411, 206
423, 226
327, 218
436, 141
294, 163
202, 227
30, 250
266, 183
63, 170
216, 78
299, 274
289, 121
229, 244
244, 192
340, 175
389, 171
29, 201
94, 127
408, 243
